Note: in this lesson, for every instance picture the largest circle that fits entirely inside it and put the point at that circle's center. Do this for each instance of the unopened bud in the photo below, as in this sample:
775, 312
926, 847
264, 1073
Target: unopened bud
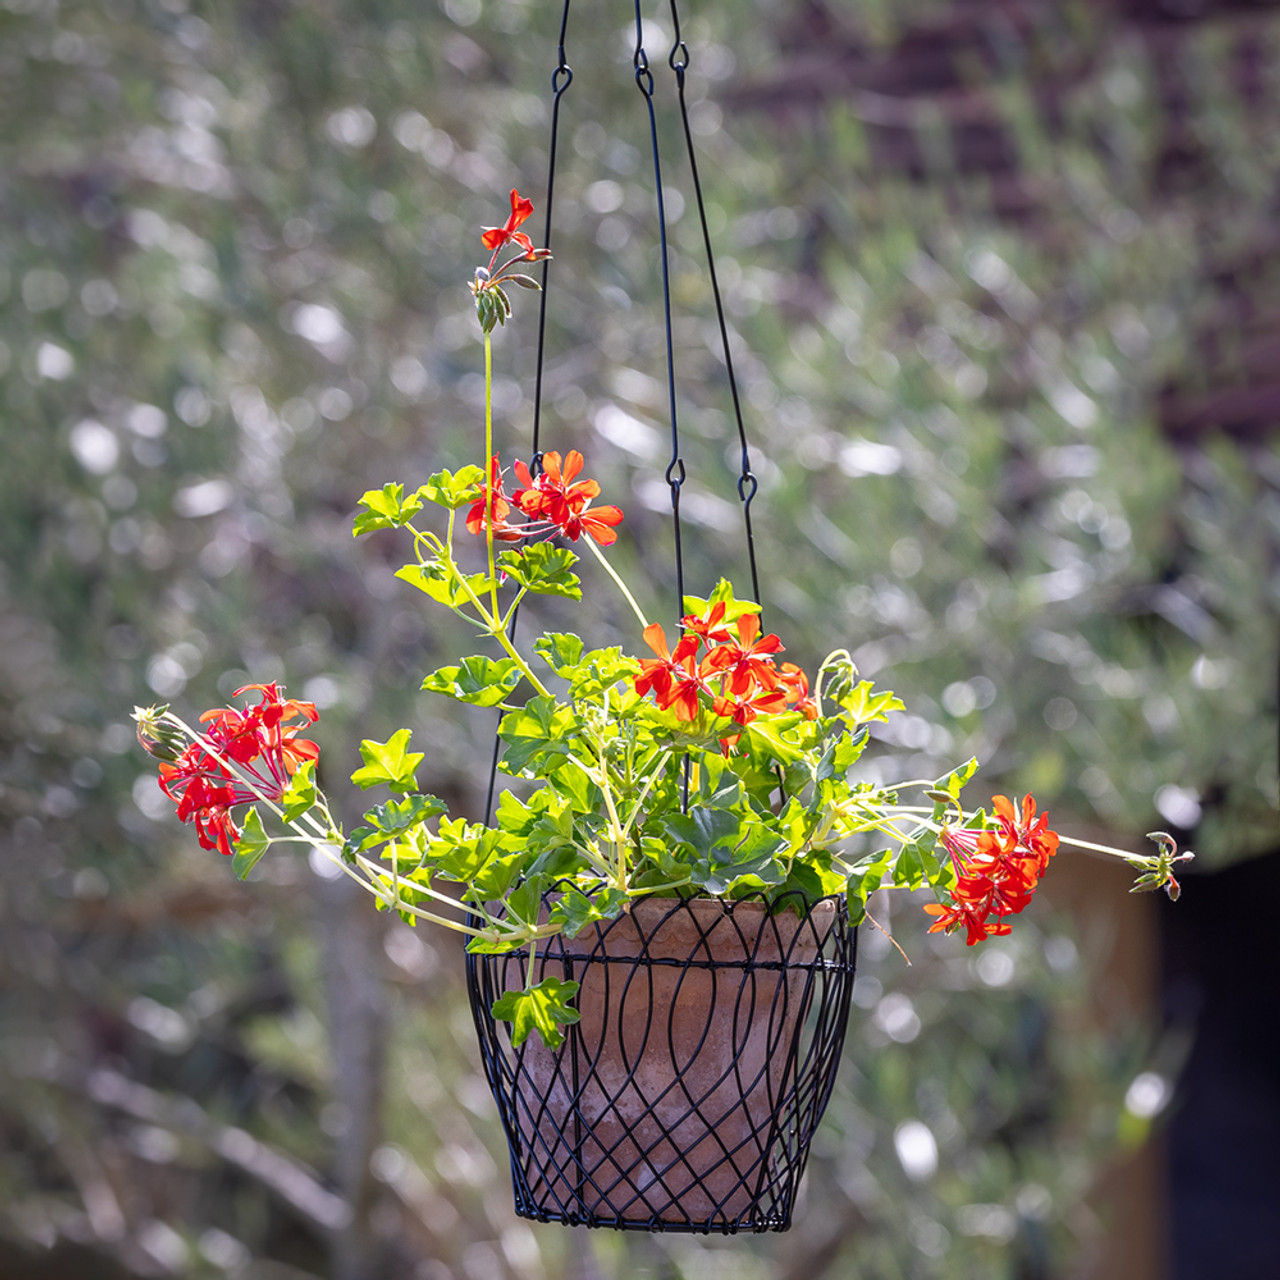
157, 736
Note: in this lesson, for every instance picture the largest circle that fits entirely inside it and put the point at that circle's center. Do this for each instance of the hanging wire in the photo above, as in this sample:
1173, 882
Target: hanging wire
678, 60
572, 1158
675, 473
561, 78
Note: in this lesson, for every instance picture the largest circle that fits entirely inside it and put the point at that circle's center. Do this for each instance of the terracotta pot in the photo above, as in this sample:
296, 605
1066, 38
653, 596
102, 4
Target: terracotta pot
674, 1101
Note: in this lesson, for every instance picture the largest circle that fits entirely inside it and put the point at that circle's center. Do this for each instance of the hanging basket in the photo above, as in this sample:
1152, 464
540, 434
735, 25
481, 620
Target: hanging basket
685, 1097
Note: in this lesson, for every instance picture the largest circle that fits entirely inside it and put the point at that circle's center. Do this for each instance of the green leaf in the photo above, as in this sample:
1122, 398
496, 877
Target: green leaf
755, 855
388, 762
358, 841
300, 794
764, 737
575, 910
544, 1008
538, 735
385, 508
460, 850
864, 880
480, 681
703, 828
560, 650
723, 592
599, 670
525, 903
250, 846
863, 706
495, 877
572, 782
398, 816
954, 782
544, 569
437, 582
909, 869
815, 877
453, 489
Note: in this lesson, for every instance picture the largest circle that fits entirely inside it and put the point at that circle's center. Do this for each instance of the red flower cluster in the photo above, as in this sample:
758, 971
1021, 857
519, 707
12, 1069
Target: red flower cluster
997, 871
737, 672
260, 741
553, 504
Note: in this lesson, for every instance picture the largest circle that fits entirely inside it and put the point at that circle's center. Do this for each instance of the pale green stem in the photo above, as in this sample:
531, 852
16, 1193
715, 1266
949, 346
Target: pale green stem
1148, 858
488, 472
622, 586
640, 799
657, 888
372, 869
512, 652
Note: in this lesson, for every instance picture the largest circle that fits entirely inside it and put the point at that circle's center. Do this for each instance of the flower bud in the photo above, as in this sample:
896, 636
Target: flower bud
157, 736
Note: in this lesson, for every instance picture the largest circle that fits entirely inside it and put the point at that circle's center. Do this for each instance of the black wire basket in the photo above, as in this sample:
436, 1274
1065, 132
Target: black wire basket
686, 1096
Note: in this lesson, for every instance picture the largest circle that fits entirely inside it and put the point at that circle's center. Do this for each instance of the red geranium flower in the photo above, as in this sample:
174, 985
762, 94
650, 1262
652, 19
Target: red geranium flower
796, 684
974, 919
495, 237
996, 871
711, 626
498, 508
745, 709
674, 678
746, 662
262, 745
1031, 833
556, 499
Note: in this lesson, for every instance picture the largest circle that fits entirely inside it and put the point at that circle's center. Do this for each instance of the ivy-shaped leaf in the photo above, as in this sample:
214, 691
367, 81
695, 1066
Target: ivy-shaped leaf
560, 650
398, 816
599, 670
544, 1008
864, 880
574, 910
525, 903
300, 794
544, 569
453, 489
703, 829
537, 736
480, 681
437, 582
251, 844
385, 508
863, 706
955, 781
388, 762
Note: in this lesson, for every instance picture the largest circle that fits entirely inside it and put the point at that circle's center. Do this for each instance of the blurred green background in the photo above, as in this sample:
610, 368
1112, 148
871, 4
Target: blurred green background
1002, 284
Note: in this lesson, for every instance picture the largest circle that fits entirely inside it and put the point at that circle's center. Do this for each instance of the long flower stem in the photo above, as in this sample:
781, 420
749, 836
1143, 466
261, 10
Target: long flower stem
488, 469
1107, 849
622, 586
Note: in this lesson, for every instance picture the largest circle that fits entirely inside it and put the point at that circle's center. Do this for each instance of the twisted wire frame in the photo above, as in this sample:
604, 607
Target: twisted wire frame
685, 1097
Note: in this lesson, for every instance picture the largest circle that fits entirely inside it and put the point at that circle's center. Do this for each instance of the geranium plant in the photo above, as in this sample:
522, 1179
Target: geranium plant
707, 767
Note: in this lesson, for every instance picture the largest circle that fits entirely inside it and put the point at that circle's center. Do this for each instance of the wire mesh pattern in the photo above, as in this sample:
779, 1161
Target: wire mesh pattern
685, 1098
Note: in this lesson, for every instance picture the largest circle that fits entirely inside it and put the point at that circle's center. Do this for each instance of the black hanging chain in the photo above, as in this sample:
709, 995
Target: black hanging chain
747, 483
675, 473
561, 78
